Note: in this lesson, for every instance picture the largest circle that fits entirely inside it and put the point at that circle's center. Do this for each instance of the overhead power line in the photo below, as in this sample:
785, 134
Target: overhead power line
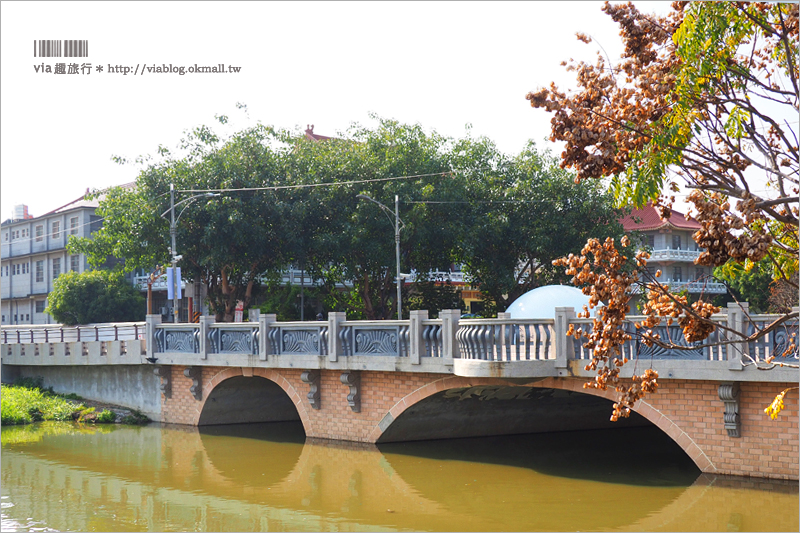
311, 185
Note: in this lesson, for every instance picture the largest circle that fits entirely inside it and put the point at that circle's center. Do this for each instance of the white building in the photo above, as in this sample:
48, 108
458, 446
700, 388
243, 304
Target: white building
33, 254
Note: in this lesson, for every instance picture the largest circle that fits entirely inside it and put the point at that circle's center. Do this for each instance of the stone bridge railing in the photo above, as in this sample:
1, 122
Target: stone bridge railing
501, 347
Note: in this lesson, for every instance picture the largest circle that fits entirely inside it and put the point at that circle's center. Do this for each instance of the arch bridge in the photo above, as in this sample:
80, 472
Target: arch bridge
422, 378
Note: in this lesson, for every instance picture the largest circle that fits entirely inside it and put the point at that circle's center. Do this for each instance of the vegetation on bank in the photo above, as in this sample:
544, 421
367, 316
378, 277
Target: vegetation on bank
26, 402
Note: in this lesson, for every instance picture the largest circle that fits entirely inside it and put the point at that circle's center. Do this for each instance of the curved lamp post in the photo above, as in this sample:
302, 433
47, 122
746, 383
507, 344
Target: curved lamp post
398, 225
173, 231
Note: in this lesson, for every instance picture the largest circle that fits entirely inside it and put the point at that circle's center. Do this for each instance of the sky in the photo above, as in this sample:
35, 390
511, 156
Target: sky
444, 65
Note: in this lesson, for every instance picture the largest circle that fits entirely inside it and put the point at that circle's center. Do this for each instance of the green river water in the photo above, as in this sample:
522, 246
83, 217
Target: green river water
267, 477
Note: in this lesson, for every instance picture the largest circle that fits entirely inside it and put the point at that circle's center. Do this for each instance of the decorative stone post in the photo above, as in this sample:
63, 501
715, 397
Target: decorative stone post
150, 331
335, 320
264, 322
737, 320
205, 326
565, 349
415, 340
450, 349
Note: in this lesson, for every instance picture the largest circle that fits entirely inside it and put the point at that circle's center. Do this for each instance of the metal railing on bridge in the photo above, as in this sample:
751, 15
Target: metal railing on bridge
35, 333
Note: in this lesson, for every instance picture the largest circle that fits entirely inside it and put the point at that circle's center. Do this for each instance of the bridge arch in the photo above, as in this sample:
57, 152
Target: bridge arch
236, 395
647, 411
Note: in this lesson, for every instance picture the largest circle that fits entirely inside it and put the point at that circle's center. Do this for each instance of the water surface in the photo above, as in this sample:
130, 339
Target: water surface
267, 477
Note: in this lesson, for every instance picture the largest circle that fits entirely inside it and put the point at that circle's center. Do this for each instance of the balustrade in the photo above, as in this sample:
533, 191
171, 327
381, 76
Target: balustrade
506, 339
425, 344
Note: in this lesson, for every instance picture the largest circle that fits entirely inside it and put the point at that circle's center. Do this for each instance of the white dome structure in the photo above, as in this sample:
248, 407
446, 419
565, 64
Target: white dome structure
542, 302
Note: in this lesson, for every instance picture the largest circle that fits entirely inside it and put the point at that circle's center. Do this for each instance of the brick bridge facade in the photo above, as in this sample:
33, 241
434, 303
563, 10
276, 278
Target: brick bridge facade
690, 412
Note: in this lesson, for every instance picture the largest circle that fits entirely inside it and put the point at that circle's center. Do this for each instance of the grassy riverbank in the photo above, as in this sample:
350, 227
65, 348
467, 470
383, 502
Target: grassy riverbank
26, 402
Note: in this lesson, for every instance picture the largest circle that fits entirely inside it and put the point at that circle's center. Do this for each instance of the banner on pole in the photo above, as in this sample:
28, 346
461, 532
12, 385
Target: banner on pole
171, 283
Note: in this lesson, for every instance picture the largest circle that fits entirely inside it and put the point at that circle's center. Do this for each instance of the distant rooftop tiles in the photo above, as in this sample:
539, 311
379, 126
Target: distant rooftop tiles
648, 218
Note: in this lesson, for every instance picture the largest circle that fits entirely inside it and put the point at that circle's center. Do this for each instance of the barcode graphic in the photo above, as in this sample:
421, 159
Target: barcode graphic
55, 47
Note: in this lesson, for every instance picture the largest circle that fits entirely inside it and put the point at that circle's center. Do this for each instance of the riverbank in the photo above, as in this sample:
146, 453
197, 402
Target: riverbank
26, 402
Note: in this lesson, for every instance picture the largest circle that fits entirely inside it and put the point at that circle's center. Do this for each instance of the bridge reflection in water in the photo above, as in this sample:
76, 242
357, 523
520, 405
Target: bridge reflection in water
265, 477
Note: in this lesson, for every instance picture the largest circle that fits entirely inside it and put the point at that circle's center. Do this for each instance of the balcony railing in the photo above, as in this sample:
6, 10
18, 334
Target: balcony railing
707, 287
674, 255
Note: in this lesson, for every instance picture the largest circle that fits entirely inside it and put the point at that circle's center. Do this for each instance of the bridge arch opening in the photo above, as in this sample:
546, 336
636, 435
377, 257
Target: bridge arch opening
496, 407
240, 400
491, 410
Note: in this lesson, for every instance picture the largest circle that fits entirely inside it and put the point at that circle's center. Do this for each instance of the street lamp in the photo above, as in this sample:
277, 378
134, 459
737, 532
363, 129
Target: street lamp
173, 231
397, 228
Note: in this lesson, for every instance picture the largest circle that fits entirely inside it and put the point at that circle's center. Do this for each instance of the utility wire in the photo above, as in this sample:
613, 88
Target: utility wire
310, 185
466, 202
276, 187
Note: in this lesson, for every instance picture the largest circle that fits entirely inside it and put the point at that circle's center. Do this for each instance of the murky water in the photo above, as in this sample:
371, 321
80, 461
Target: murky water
263, 477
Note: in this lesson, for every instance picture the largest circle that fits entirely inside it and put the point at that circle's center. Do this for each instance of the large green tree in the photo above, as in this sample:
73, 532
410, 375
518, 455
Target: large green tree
283, 200
94, 296
229, 242
349, 242
524, 214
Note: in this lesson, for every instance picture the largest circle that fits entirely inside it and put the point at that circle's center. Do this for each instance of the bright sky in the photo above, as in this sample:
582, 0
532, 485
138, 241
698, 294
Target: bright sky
442, 65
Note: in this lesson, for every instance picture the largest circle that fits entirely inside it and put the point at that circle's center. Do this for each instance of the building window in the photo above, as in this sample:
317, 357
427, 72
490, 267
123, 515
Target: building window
56, 227
39, 271
40, 306
698, 274
676, 274
5, 236
4, 318
56, 267
676, 242
39, 233
73, 225
27, 317
25, 268
74, 262
15, 270
651, 241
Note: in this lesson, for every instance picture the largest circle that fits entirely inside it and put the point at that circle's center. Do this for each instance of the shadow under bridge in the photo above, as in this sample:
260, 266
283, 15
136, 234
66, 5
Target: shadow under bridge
488, 410
240, 400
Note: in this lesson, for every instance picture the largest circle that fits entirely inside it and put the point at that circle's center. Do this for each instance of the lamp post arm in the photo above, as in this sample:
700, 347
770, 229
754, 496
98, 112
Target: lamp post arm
393, 215
173, 231
398, 225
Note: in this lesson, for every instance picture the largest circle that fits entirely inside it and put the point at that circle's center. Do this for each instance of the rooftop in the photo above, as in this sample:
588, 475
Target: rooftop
315, 136
81, 202
648, 219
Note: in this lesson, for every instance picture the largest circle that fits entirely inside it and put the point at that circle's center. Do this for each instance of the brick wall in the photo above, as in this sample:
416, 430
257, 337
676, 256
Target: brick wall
690, 412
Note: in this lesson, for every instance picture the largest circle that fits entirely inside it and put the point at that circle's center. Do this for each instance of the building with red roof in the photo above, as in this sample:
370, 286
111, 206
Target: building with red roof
673, 250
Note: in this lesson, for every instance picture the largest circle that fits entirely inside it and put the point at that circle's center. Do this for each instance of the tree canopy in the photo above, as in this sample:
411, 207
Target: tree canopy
285, 200
94, 296
706, 96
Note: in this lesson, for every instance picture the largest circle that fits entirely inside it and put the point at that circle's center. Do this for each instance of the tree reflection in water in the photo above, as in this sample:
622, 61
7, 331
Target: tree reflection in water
264, 477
